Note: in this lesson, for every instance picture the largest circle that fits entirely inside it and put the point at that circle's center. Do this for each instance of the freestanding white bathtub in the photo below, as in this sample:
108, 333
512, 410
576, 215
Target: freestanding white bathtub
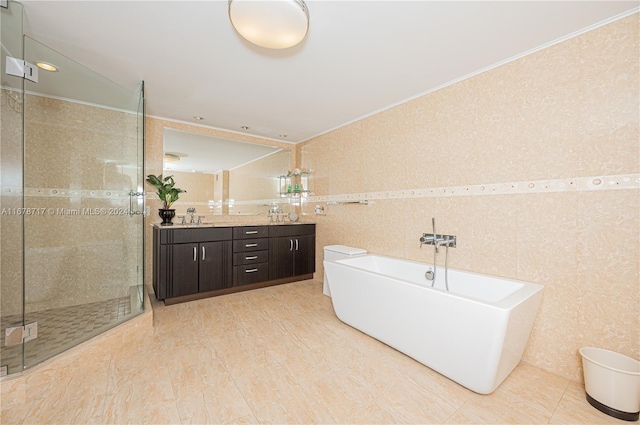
475, 334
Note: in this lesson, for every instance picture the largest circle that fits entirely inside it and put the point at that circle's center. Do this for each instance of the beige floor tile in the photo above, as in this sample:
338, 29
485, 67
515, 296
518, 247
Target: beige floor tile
376, 412
262, 383
294, 408
14, 403
500, 407
342, 394
206, 393
419, 404
538, 388
574, 410
143, 400
67, 409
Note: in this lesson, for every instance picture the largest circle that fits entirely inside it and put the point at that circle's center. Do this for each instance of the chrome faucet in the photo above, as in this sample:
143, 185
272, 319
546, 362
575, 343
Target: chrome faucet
448, 241
274, 211
191, 211
434, 238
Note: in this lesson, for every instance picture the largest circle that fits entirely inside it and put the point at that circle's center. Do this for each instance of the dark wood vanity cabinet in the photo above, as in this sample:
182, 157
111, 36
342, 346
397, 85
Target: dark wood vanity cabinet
292, 251
192, 263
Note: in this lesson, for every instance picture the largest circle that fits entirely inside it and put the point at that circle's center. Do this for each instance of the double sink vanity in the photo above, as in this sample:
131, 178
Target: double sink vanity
193, 262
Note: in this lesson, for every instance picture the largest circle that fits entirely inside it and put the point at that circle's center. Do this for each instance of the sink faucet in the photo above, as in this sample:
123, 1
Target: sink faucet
274, 211
191, 211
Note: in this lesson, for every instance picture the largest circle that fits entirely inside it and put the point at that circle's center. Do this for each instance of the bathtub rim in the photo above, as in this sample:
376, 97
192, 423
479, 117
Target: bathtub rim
509, 302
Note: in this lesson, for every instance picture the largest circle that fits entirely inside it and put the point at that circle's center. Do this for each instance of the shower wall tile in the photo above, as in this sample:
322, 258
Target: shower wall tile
569, 111
10, 225
74, 258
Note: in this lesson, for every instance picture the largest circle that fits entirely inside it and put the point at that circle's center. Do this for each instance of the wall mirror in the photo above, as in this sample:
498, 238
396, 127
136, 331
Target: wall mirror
223, 176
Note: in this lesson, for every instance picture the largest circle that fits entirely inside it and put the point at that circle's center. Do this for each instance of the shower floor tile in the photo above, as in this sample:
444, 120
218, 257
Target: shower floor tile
62, 328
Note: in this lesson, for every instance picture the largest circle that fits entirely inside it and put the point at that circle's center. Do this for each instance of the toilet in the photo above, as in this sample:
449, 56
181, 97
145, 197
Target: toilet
338, 252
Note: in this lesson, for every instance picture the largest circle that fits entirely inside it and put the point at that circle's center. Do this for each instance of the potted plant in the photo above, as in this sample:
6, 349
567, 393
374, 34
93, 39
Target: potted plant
168, 194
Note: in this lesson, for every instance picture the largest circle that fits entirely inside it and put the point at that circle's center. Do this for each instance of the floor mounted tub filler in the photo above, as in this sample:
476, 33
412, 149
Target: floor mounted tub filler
474, 334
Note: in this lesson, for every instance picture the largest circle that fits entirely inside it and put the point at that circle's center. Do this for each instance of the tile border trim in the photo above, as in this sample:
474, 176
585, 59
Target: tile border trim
577, 184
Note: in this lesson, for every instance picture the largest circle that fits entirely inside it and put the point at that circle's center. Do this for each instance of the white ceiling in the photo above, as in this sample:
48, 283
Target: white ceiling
359, 57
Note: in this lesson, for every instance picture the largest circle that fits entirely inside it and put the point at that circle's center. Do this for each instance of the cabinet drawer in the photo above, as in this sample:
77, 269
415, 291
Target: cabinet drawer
251, 257
250, 232
292, 230
245, 245
209, 234
250, 273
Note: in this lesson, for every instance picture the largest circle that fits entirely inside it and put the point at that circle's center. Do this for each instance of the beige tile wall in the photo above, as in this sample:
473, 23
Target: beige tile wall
70, 256
11, 137
568, 111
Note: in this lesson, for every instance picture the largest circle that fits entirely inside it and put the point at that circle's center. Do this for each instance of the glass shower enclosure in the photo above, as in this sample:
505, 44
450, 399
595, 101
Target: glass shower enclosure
71, 201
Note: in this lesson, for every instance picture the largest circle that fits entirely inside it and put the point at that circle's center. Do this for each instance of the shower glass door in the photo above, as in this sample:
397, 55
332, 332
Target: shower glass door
11, 160
83, 185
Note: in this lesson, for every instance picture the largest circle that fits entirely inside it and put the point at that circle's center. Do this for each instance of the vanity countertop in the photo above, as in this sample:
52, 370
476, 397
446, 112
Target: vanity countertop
225, 224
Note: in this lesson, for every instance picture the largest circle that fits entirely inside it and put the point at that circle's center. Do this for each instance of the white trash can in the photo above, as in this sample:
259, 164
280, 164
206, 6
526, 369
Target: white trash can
612, 382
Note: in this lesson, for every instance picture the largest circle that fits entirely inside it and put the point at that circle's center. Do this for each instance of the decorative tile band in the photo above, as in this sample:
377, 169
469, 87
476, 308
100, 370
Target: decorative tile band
66, 193
578, 184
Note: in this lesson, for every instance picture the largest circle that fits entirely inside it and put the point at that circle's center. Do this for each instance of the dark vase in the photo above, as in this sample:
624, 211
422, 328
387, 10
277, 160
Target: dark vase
166, 216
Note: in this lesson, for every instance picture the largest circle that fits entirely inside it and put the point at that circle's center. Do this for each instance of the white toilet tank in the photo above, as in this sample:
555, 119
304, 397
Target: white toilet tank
338, 252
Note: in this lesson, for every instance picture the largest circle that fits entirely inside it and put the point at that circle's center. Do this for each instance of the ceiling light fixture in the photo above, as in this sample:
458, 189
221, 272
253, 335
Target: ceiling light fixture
245, 127
47, 66
171, 157
198, 117
274, 24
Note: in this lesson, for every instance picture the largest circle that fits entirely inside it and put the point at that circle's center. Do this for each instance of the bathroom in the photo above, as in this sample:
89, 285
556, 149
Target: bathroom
533, 165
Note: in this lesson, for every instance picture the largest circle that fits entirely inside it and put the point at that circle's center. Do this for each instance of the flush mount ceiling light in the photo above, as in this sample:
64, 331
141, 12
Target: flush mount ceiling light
274, 24
47, 66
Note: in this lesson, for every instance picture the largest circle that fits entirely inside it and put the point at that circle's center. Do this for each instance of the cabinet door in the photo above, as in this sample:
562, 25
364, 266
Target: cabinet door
184, 269
215, 265
281, 257
304, 255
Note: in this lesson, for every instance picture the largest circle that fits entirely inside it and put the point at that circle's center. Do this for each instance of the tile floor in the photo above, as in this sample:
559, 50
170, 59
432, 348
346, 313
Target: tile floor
274, 355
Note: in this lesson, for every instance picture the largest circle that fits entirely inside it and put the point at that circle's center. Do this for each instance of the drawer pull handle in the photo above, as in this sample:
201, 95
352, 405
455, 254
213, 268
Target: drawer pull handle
255, 257
251, 271
252, 232
250, 245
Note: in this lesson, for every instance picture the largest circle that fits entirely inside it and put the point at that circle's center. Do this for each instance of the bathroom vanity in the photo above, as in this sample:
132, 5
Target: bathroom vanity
193, 262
